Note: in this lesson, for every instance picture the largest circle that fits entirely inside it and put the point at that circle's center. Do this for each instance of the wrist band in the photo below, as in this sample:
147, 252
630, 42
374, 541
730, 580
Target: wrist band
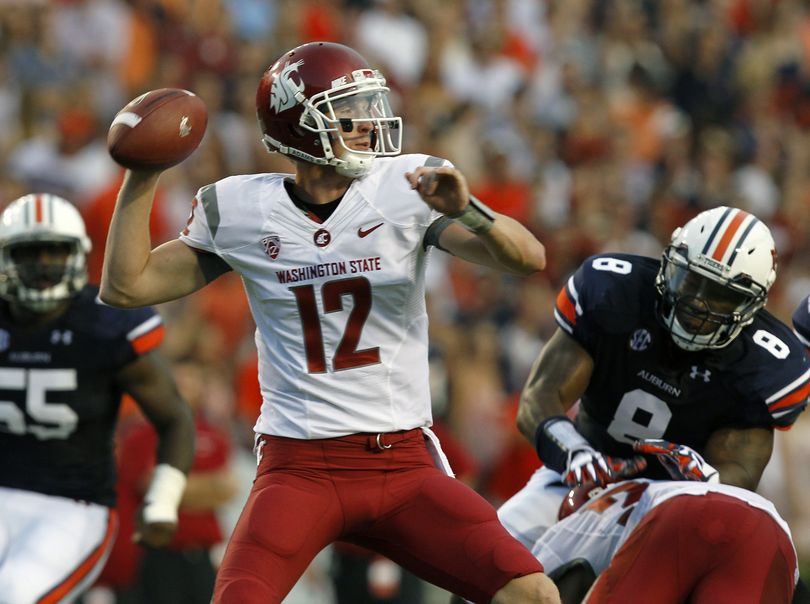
556, 437
476, 216
163, 497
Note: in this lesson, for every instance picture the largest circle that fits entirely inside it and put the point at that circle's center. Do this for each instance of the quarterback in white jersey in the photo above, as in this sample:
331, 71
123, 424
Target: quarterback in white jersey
674, 539
363, 267
333, 262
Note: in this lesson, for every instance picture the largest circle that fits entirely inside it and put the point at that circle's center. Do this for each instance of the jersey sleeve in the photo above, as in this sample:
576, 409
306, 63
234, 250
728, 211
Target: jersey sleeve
387, 189
801, 322
197, 232
777, 370
786, 403
131, 333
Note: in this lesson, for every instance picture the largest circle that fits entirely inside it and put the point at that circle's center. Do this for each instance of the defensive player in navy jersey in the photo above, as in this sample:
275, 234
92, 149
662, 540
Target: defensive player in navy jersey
801, 322
678, 350
65, 361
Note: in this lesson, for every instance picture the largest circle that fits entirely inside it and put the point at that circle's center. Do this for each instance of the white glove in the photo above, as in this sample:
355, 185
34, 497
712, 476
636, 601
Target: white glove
589, 466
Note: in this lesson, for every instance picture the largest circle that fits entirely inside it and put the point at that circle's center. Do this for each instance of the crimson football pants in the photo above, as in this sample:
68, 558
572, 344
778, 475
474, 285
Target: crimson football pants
310, 493
711, 549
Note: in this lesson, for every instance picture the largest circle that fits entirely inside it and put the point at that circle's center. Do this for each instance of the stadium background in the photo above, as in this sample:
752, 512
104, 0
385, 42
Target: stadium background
600, 124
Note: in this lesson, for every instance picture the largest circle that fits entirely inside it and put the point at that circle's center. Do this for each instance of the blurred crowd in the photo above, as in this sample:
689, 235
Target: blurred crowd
600, 124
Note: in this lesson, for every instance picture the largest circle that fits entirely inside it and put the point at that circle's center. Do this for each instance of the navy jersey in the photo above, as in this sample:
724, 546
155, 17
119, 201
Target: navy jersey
59, 398
644, 386
801, 321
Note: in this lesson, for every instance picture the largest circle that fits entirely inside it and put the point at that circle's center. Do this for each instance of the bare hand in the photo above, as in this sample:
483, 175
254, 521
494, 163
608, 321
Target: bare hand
443, 189
153, 534
158, 534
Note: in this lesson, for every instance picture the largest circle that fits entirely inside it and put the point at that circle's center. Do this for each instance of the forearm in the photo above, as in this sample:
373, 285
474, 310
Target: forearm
506, 246
129, 243
208, 490
513, 247
556, 381
534, 407
737, 475
479, 234
176, 435
740, 455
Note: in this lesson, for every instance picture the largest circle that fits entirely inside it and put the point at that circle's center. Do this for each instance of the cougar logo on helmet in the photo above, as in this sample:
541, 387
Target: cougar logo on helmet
284, 89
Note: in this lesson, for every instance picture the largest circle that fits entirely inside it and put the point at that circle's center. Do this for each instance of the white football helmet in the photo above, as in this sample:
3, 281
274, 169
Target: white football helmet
715, 275
26, 225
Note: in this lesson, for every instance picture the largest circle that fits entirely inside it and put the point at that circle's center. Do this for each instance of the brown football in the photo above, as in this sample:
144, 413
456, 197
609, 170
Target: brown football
157, 130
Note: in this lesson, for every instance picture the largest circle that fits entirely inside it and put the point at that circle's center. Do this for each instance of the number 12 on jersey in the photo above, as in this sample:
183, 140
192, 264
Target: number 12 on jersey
347, 356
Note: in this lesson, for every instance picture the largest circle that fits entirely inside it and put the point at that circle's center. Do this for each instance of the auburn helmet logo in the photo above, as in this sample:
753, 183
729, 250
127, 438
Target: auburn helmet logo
285, 87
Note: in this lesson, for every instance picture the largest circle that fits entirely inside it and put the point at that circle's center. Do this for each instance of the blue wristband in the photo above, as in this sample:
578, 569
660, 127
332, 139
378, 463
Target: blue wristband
555, 438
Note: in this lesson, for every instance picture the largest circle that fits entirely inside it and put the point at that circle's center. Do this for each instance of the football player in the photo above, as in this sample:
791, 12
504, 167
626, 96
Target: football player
801, 322
670, 542
679, 349
333, 260
65, 361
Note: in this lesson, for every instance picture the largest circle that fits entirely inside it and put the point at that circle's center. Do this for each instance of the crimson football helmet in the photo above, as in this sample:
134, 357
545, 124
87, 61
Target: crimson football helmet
37, 281
313, 95
715, 275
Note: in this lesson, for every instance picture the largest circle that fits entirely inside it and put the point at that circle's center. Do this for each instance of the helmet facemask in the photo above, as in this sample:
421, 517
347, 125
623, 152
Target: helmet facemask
40, 274
43, 252
701, 308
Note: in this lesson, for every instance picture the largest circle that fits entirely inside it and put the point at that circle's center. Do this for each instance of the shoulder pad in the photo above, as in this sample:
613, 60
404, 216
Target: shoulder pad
778, 367
608, 292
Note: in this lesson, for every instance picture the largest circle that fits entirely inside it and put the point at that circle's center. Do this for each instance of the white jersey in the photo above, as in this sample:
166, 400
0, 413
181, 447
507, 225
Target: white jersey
339, 306
597, 530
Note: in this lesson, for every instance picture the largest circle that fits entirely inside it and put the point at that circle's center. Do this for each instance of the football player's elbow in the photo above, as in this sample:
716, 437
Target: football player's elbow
534, 260
113, 296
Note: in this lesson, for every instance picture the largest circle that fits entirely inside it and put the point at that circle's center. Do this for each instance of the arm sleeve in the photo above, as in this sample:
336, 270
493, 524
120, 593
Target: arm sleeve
204, 209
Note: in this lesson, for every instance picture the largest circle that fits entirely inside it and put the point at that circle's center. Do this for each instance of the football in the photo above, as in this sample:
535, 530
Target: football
157, 130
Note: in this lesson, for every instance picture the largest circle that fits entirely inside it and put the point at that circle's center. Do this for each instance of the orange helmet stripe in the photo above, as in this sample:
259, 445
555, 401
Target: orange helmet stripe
729, 234
38, 209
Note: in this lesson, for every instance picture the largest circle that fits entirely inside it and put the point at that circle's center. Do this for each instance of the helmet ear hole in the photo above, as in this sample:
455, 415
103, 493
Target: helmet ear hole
296, 131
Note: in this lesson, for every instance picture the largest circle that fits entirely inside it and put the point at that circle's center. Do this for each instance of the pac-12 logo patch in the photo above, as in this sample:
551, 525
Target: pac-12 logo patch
272, 246
322, 237
640, 340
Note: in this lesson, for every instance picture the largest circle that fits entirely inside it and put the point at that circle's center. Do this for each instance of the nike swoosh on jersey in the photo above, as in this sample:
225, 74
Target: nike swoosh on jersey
363, 232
